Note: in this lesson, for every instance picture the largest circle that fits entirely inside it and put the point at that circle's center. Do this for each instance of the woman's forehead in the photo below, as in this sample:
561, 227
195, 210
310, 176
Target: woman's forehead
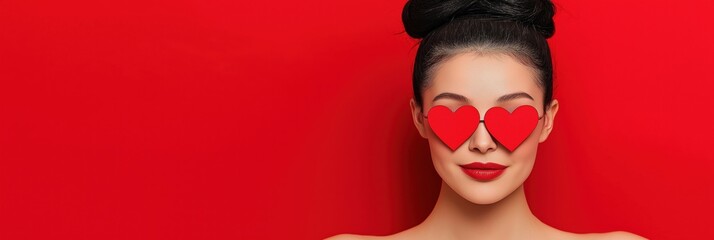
483, 77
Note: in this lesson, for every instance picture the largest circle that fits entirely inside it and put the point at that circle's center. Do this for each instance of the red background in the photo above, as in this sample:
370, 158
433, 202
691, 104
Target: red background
290, 120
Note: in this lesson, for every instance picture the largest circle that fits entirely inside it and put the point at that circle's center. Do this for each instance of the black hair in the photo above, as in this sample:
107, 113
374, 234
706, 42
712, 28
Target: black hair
518, 28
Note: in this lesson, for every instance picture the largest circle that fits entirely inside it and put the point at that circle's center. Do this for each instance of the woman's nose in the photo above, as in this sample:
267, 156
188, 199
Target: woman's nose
481, 140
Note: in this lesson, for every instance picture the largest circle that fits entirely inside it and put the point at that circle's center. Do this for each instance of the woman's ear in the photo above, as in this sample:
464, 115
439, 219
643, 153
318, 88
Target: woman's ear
417, 117
549, 118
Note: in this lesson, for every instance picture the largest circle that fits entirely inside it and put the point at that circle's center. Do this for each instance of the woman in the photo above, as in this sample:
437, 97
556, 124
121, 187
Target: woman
483, 86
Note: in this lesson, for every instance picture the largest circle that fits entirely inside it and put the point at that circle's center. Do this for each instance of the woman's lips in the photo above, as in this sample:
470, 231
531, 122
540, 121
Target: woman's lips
483, 171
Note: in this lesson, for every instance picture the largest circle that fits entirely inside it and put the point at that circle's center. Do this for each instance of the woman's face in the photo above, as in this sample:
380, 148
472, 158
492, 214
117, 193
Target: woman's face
481, 80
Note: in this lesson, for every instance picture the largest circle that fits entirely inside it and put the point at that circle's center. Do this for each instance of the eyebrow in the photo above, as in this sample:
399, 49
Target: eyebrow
461, 98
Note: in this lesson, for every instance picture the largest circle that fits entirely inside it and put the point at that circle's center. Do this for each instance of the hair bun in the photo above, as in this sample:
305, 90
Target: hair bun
422, 16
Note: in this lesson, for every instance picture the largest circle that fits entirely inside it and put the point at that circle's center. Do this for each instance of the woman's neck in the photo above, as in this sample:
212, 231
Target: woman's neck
454, 217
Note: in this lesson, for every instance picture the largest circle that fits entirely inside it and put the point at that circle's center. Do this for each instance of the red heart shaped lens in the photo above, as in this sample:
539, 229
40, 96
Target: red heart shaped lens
453, 128
511, 129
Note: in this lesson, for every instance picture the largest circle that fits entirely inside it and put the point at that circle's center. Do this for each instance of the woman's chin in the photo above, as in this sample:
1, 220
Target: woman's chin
483, 198
480, 194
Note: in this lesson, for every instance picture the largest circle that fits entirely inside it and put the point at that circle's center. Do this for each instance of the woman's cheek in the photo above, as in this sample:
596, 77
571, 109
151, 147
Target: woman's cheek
441, 155
525, 154
440, 152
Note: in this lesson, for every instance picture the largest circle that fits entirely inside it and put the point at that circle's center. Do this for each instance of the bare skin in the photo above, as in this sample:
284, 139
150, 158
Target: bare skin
455, 218
497, 209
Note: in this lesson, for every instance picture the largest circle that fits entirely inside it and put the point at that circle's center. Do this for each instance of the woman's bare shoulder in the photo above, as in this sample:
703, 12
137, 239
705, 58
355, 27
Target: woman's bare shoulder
624, 235
346, 236
410, 234
616, 235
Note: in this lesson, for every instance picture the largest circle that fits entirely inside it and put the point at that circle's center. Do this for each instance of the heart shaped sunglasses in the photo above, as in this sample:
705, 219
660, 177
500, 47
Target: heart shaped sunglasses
508, 128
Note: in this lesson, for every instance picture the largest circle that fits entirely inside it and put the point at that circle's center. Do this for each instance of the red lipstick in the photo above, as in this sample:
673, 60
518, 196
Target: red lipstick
483, 171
